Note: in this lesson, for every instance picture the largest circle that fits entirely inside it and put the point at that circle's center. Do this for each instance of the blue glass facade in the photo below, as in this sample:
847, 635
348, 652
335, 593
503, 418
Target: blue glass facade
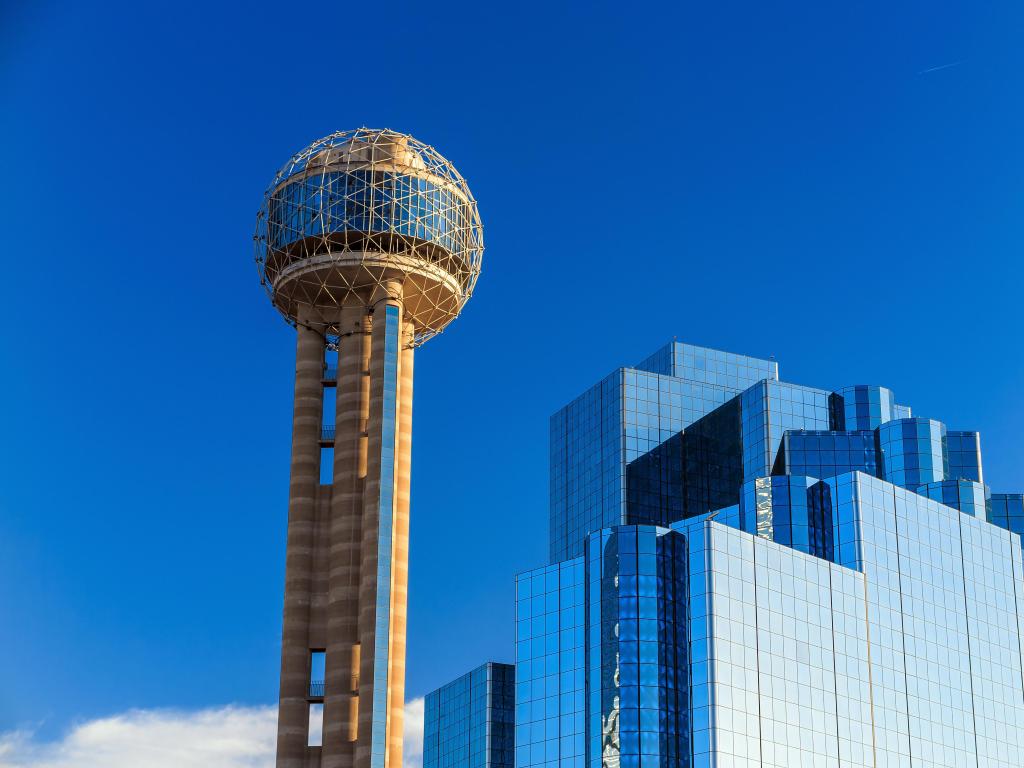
469, 723
702, 365
551, 667
912, 452
679, 434
601, 654
616, 449
968, 497
791, 510
587, 464
901, 647
863, 407
827, 454
772, 575
1007, 511
712, 460
637, 648
906, 451
770, 409
944, 613
964, 454
783, 672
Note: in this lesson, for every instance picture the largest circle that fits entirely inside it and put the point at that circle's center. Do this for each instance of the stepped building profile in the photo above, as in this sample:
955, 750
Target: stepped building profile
751, 573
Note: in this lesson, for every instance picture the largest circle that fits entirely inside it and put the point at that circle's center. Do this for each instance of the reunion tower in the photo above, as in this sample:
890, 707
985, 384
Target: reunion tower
369, 243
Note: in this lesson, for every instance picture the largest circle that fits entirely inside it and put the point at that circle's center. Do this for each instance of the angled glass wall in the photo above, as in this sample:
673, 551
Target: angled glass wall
843, 600
947, 684
1007, 511
781, 672
703, 365
968, 497
655, 412
912, 452
470, 722
769, 409
550, 730
637, 637
933, 593
789, 510
862, 407
712, 461
827, 454
964, 452
587, 458
706, 645
616, 450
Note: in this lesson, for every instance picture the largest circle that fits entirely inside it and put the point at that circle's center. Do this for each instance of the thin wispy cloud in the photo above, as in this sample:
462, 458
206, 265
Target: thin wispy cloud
225, 737
941, 67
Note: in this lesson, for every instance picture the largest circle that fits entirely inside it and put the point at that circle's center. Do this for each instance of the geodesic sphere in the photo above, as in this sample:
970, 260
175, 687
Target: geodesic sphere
360, 208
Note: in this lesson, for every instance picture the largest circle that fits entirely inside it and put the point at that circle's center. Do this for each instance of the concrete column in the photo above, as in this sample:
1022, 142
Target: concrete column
293, 715
400, 554
383, 428
340, 702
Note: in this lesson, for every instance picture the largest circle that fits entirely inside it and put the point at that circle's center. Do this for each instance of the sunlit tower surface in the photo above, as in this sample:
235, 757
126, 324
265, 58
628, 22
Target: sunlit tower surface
369, 243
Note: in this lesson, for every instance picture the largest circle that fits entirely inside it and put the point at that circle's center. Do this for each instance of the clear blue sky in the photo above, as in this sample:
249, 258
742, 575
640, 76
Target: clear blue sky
835, 184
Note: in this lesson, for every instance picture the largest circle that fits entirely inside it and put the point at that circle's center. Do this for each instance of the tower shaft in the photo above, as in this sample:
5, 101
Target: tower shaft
303, 496
347, 563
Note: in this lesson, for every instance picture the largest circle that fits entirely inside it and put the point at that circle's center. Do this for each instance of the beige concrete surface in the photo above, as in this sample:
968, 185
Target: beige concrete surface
302, 502
332, 588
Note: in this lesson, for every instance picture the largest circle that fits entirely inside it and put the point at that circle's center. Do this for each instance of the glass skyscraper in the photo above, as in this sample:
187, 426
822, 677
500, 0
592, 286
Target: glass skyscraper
468, 723
746, 572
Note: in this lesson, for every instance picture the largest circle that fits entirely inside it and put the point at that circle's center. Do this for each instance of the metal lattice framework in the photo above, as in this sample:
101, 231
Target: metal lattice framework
359, 209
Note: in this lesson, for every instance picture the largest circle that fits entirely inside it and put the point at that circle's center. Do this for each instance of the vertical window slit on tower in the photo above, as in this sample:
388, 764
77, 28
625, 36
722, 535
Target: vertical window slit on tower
326, 465
316, 726
330, 364
317, 673
330, 397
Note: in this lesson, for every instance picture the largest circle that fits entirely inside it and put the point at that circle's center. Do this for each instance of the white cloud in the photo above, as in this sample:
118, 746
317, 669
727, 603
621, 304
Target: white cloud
232, 737
412, 751
228, 737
